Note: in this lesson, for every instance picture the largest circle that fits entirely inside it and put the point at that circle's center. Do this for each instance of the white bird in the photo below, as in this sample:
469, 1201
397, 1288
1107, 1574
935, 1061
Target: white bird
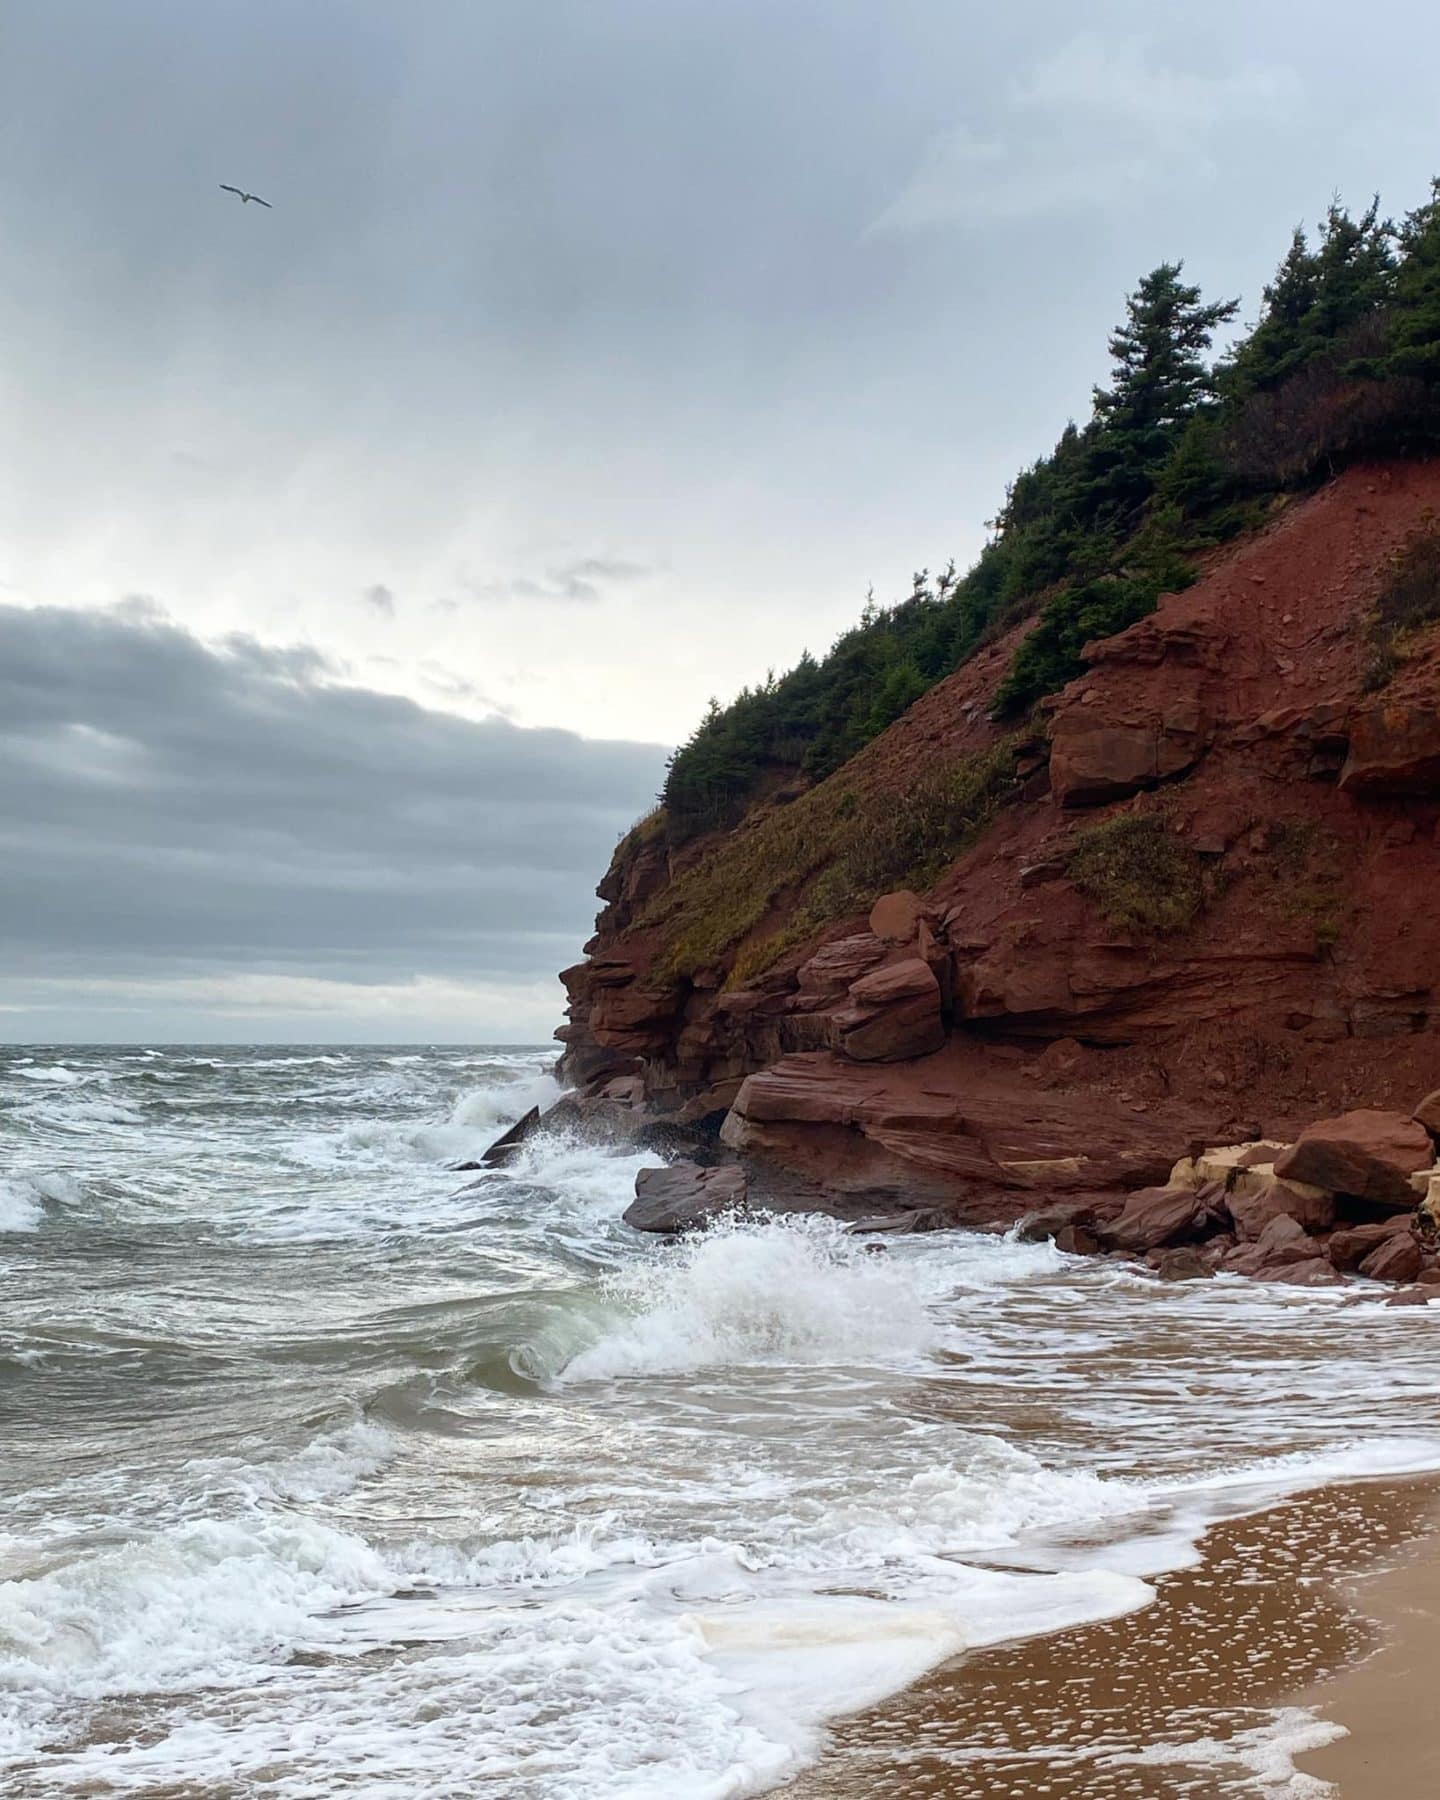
245, 199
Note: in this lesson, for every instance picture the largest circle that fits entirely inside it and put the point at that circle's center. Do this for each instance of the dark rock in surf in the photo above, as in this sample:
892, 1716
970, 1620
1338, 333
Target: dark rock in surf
509, 1142
1348, 1248
685, 1197
1400, 1258
1183, 1263
903, 1224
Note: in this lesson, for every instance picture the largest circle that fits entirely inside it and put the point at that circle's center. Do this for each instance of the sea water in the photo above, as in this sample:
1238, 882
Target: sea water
329, 1470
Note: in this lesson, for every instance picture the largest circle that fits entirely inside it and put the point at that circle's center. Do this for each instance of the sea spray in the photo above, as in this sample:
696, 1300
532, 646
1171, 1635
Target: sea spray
777, 1290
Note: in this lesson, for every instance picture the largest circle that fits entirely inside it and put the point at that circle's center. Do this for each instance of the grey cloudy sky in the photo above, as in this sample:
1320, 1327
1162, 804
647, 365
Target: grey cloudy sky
595, 355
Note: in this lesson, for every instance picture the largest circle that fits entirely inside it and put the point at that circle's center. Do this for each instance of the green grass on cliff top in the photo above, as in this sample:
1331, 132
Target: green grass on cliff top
829, 853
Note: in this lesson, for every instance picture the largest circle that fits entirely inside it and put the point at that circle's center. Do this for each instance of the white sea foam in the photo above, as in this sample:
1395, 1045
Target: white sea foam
793, 1291
1265, 1753
79, 1115
589, 1180
55, 1074
204, 1601
330, 1465
21, 1205
493, 1105
23, 1199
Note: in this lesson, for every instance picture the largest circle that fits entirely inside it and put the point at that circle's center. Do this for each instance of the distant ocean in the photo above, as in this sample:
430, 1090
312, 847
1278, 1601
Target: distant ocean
331, 1472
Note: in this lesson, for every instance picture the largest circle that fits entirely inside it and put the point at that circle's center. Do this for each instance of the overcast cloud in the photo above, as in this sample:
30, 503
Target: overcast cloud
595, 355
228, 841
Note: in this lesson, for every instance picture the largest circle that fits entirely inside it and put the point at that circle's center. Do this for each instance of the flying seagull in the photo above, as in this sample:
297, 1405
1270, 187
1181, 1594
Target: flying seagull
245, 199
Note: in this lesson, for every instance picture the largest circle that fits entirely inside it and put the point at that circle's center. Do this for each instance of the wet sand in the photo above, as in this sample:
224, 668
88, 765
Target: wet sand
1387, 1702
1237, 1665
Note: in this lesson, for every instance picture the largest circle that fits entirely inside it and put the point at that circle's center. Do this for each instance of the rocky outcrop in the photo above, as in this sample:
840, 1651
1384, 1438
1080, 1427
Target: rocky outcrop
1394, 752
1095, 759
1015, 1038
944, 1128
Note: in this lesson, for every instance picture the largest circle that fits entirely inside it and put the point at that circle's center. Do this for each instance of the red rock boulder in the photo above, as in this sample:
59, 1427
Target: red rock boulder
893, 1014
1367, 1154
1281, 1247
896, 917
1394, 750
1095, 759
1182, 1263
1156, 1217
1348, 1248
1400, 1258
1253, 1207
835, 965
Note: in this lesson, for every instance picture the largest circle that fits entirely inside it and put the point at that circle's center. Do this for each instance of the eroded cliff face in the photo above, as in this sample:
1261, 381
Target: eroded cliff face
1015, 1027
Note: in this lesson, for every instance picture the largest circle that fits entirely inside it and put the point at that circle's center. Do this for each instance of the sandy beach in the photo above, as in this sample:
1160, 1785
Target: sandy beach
1392, 1750
1317, 1614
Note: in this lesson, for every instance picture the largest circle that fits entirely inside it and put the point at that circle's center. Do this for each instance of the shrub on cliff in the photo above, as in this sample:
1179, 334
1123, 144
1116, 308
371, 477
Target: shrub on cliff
1049, 656
1139, 875
827, 854
1408, 602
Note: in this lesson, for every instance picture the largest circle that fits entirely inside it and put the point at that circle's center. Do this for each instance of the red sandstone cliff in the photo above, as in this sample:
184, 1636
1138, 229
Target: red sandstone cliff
998, 1035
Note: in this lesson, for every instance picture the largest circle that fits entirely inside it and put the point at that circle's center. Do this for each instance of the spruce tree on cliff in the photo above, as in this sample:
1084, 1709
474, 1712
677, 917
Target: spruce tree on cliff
1160, 381
1414, 349
1317, 300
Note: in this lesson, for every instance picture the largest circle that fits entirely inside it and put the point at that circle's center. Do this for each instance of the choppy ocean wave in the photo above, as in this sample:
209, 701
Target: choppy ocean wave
362, 1474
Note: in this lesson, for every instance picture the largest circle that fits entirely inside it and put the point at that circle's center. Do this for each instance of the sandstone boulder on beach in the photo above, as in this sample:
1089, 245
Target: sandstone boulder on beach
1348, 1247
1071, 1225
1184, 1262
1315, 1272
1281, 1246
684, 1196
1255, 1204
1241, 1168
1367, 1154
1155, 1217
1400, 1258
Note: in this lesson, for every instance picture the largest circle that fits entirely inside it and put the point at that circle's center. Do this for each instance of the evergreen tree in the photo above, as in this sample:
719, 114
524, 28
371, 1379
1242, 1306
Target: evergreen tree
1317, 299
1355, 263
1159, 383
1160, 376
1414, 339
